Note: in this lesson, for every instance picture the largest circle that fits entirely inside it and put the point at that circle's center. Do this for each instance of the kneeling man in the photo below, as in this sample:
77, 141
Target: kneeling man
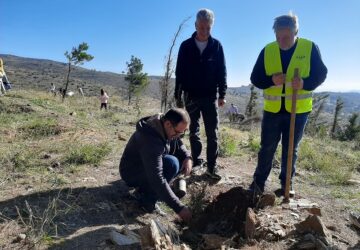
153, 156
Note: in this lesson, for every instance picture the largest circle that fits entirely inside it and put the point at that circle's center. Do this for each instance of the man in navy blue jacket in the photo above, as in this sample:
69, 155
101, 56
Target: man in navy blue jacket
201, 79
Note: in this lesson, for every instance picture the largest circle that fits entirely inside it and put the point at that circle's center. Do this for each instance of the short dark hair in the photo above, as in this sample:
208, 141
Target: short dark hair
176, 115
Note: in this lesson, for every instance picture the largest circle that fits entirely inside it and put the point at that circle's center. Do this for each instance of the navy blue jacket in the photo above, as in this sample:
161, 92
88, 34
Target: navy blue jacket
200, 75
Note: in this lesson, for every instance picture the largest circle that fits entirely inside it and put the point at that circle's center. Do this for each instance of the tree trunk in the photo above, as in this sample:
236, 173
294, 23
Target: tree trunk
67, 82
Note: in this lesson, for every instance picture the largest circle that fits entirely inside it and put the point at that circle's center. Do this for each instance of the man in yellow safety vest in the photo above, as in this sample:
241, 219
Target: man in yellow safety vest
274, 73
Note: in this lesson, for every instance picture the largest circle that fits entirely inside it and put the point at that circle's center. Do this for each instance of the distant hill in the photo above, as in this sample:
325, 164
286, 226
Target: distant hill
351, 99
40, 73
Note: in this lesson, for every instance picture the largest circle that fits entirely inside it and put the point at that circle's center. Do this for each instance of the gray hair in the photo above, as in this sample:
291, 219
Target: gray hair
286, 21
206, 15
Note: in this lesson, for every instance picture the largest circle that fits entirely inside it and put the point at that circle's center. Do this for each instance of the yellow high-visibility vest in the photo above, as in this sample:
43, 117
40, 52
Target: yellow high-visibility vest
300, 59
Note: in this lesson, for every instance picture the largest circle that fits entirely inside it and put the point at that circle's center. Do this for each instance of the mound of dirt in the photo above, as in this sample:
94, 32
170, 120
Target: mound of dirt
226, 214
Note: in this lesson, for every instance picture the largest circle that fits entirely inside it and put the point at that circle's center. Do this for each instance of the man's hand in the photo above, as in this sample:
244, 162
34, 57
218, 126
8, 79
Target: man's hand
187, 166
278, 79
297, 83
221, 102
185, 214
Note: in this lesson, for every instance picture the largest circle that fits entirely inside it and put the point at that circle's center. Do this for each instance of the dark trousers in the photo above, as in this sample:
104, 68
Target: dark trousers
208, 109
276, 126
103, 105
171, 168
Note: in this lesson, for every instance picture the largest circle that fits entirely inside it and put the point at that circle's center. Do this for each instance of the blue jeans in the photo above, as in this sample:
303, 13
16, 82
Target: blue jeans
207, 108
276, 126
171, 168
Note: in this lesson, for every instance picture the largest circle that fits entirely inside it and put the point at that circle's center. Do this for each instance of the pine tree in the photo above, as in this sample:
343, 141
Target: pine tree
77, 57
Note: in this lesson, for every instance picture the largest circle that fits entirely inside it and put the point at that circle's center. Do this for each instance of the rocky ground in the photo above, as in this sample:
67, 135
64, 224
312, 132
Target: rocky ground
100, 203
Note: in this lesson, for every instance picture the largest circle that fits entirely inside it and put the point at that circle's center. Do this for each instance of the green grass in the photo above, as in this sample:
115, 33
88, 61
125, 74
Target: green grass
88, 154
333, 164
41, 127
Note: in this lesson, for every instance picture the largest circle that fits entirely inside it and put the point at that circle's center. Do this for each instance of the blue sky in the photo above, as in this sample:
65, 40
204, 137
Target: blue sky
117, 29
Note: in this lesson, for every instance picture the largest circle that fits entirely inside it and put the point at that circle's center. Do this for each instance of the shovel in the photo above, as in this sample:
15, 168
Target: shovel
291, 141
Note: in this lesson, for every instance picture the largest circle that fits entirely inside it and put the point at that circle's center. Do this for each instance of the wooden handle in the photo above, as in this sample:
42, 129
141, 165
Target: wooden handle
291, 141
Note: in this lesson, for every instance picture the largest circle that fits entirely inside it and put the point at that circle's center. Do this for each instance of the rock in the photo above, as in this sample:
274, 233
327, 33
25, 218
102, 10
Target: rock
121, 138
267, 199
19, 238
130, 241
313, 224
280, 233
55, 164
212, 241
306, 245
46, 156
314, 210
353, 182
295, 215
250, 223
355, 219
320, 245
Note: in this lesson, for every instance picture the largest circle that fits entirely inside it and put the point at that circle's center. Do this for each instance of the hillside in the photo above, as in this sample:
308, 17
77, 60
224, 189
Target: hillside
60, 186
39, 73
30, 73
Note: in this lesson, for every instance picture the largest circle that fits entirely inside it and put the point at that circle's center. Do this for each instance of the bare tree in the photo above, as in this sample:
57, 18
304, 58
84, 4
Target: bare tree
318, 106
169, 70
338, 107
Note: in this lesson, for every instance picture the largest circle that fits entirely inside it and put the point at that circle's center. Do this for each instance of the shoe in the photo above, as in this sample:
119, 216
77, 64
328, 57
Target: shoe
213, 174
153, 209
135, 194
199, 163
281, 191
256, 188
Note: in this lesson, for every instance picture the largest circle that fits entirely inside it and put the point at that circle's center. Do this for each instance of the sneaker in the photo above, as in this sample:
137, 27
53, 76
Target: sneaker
213, 174
153, 209
281, 191
199, 163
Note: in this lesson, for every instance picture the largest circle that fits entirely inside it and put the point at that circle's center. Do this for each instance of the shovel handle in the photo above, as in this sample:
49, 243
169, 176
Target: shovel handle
291, 141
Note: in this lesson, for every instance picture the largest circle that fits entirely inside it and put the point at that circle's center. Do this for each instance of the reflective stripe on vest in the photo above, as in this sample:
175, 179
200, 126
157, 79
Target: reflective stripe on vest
287, 97
300, 59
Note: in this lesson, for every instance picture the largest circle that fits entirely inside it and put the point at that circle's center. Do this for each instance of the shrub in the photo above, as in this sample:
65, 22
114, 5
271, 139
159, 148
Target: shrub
227, 144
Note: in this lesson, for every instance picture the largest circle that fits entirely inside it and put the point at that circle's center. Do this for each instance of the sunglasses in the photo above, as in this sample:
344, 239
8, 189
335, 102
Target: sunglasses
179, 133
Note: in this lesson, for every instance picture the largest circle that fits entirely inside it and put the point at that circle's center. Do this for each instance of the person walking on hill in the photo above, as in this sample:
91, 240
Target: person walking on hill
154, 156
103, 99
274, 73
200, 77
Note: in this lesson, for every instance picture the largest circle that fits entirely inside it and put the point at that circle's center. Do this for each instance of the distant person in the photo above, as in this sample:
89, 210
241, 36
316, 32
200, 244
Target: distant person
53, 89
103, 99
274, 73
154, 156
232, 112
201, 76
81, 92
4, 81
